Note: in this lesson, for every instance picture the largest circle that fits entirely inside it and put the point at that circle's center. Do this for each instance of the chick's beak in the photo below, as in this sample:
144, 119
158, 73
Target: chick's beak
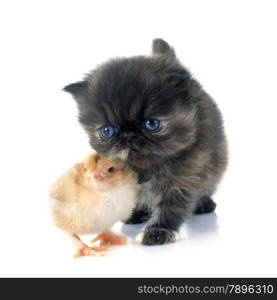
98, 177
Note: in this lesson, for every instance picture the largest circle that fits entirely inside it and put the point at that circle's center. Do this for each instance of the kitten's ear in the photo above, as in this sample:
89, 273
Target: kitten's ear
162, 48
77, 89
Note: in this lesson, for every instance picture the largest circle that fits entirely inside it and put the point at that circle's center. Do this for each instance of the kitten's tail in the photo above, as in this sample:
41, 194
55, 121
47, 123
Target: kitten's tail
162, 48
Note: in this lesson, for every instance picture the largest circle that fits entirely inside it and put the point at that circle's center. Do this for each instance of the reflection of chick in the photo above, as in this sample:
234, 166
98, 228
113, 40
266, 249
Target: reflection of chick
90, 197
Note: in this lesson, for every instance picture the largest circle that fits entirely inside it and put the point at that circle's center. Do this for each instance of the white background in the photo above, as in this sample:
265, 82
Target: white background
230, 46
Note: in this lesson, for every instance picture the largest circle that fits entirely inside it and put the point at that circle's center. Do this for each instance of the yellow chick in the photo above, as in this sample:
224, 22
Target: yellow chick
90, 197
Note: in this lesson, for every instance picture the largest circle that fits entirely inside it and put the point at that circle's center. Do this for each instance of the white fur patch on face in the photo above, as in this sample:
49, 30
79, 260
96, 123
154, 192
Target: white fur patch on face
122, 154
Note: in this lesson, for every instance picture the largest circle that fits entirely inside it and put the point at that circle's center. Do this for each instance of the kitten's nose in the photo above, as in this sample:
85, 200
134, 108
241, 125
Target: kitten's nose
129, 136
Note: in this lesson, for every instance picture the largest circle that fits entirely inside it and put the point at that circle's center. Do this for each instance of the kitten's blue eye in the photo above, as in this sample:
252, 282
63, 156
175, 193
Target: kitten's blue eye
151, 125
108, 132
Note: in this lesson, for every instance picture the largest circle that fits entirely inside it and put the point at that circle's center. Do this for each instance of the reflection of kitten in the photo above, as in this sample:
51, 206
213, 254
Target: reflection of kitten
150, 112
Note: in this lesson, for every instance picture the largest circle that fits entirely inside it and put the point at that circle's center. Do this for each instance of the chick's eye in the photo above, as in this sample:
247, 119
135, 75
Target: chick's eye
111, 169
108, 132
151, 125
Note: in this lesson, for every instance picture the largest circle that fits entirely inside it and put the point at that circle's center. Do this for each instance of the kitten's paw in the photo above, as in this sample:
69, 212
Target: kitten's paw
205, 205
138, 217
157, 236
139, 237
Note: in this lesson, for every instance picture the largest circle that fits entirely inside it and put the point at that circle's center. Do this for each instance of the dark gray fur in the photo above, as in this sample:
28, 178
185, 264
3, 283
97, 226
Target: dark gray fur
180, 166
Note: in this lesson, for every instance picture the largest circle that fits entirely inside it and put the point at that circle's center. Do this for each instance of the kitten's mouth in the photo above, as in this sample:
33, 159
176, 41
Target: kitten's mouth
137, 159
134, 151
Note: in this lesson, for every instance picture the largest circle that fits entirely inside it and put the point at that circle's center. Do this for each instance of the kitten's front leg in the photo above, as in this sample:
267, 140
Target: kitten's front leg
139, 215
142, 212
176, 204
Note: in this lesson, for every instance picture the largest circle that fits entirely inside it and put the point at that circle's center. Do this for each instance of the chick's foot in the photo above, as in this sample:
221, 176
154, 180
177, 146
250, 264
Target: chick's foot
90, 251
109, 238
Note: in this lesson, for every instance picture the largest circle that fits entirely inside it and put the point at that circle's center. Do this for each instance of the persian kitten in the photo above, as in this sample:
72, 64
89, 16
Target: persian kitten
151, 112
